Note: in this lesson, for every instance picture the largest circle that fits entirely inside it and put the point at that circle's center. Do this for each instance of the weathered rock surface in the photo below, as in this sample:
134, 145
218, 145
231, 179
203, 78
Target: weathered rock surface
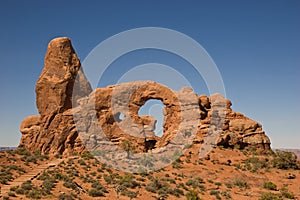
54, 131
238, 130
73, 117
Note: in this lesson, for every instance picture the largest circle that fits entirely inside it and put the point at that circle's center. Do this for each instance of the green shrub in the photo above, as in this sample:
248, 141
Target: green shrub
48, 185
269, 196
27, 185
215, 193
129, 193
195, 182
228, 185
65, 197
22, 151
128, 181
253, 164
241, 183
270, 186
71, 184
158, 186
177, 164
11, 194
81, 162
192, 195
109, 179
17, 168
95, 193
5, 176
285, 160
34, 194
87, 156
226, 194
285, 193
98, 186
20, 191
176, 192
218, 183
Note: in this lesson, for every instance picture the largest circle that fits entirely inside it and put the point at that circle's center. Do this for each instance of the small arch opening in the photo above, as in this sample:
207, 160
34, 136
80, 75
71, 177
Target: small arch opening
119, 117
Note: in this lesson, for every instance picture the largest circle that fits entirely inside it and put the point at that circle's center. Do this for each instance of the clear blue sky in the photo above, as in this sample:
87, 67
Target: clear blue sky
255, 44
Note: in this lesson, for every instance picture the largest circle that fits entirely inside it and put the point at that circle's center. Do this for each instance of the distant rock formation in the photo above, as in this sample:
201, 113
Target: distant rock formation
60, 96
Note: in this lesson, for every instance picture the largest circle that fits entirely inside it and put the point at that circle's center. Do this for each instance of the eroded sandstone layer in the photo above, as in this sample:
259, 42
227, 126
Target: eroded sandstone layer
62, 91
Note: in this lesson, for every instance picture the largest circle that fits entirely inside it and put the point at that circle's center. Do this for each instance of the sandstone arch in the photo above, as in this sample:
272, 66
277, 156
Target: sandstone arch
127, 99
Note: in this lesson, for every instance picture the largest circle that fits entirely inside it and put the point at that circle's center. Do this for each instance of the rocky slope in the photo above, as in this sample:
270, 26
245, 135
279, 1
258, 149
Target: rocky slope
70, 113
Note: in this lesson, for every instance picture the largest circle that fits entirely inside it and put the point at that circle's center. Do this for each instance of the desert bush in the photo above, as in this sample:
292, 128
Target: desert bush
81, 162
176, 192
270, 186
5, 176
39, 156
195, 182
20, 191
181, 185
98, 186
192, 195
59, 176
177, 164
11, 194
22, 151
157, 186
17, 168
27, 185
269, 196
253, 164
229, 185
65, 197
129, 193
48, 185
71, 184
218, 183
215, 193
34, 194
128, 181
286, 194
96, 193
109, 179
241, 183
285, 160
226, 194
87, 156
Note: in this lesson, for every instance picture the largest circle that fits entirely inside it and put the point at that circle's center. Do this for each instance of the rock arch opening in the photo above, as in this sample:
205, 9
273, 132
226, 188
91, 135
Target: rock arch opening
154, 108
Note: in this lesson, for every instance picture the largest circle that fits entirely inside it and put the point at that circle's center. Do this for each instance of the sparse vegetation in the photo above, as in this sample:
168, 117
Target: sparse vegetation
192, 195
65, 197
286, 194
285, 160
270, 186
215, 193
85, 173
254, 164
241, 183
269, 196
95, 193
